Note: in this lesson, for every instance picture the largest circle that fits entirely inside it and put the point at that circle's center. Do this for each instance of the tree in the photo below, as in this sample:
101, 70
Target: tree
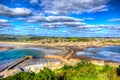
118, 71
21, 76
45, 74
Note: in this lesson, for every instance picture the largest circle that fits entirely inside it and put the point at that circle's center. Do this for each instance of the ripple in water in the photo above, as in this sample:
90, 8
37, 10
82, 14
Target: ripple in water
105, 53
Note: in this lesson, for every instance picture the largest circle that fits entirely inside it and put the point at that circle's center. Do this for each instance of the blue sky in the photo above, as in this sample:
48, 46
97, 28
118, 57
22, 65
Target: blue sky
64, 18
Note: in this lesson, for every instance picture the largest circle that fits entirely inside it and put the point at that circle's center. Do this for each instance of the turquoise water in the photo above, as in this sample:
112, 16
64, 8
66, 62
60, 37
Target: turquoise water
104, 53
7, 57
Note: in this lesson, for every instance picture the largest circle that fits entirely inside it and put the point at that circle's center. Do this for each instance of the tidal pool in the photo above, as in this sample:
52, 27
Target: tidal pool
104, 53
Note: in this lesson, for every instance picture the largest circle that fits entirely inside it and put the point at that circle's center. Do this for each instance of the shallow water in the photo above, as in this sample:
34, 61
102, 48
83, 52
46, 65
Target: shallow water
9, 56
104, 53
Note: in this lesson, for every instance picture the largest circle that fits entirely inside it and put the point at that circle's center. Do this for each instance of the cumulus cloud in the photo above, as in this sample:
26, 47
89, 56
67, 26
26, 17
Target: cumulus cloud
53, 19
115, 20
4, 10
74, 6
63, 24
112, 27
98, 9
56, 21
4, 23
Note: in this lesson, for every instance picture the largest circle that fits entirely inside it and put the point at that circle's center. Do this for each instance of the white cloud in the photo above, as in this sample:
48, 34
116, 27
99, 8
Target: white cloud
63, 24
98, 9
53, 19
20, 18
4, 23
56, 21
34, 1
111, 27
4, 10
74, 6
115, 20
88, 18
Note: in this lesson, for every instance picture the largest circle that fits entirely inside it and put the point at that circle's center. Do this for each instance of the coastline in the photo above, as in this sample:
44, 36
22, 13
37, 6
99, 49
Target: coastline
64, 47
68, 52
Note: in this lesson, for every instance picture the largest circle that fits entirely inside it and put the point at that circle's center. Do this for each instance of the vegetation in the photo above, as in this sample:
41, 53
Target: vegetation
43, 40
112, 41
81, 71
46, 39
14, 38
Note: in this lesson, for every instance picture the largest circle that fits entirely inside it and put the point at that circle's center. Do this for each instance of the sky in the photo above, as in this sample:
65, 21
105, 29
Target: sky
60, 18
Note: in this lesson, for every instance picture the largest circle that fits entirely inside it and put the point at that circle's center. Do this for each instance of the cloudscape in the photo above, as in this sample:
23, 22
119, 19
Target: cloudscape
62, 18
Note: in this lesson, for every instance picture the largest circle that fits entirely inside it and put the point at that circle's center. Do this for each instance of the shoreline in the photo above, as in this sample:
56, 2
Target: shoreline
64, 51
68, 55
